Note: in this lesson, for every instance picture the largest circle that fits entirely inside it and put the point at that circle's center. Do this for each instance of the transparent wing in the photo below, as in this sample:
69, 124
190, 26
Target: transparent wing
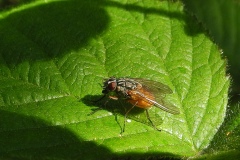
158, 90
153, 86
166, 106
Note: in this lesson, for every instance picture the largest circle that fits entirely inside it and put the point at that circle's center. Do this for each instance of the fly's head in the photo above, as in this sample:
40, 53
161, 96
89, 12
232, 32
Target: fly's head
109, 85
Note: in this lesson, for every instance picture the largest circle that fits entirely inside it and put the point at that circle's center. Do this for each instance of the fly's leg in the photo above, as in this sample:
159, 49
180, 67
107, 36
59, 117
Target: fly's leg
116, 119
125, 117
148, 117
105, 104
94, 111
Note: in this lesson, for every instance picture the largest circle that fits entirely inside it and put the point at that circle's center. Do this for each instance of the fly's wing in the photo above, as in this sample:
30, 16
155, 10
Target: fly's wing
154, 86
160, 103
158, 90
166, 106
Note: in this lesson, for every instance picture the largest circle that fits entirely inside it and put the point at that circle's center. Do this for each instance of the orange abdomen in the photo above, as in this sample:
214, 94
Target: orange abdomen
140, 98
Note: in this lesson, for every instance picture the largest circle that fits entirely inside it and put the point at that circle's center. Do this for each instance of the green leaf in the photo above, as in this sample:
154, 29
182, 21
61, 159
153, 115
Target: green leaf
221, 18
55, 54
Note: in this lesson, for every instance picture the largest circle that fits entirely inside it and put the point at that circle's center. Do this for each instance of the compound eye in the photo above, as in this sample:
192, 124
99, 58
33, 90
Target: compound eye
112, 86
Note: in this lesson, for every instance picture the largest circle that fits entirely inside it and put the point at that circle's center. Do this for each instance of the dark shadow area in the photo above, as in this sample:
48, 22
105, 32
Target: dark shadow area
50, 30
191, 26
8, 4
233, 155
149, 156
33, 138
144, 10
28, 137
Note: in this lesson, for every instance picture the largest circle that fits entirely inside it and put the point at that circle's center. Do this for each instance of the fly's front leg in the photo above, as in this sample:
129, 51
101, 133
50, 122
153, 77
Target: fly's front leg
113, 97
105, 103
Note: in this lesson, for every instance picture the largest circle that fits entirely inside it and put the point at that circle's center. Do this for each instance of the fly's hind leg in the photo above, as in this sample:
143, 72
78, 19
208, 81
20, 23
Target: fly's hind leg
148, 117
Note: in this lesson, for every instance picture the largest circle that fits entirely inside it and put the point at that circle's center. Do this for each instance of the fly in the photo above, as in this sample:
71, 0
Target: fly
140, 93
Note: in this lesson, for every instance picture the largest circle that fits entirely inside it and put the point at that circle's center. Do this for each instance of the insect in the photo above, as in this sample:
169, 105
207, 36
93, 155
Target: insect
140, 93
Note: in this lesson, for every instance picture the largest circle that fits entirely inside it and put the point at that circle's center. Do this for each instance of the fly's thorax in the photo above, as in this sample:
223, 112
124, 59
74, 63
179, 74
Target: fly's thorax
124, 84
120, 86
